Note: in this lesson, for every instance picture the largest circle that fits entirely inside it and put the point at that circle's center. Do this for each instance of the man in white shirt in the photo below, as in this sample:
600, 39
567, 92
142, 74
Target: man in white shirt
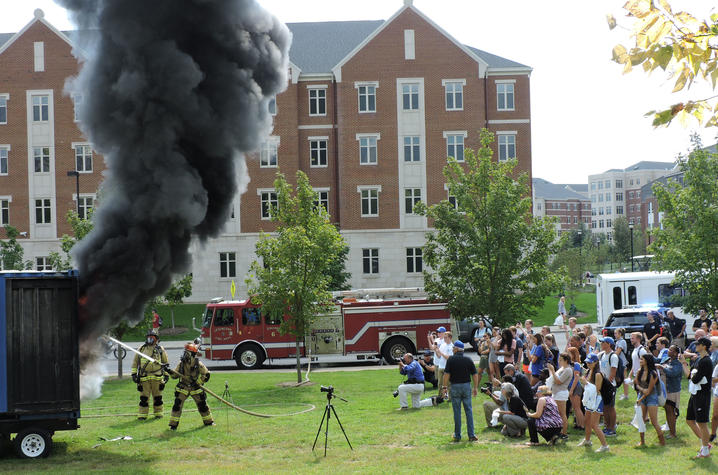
608, 363
445, 349
638, 351
439, 361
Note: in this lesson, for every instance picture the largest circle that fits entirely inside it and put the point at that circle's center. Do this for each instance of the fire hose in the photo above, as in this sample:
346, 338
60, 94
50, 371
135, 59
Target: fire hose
209, 391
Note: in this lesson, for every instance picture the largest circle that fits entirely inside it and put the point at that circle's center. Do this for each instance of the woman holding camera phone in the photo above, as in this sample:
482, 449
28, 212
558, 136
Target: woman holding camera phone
559, 388
646, 383
593, 403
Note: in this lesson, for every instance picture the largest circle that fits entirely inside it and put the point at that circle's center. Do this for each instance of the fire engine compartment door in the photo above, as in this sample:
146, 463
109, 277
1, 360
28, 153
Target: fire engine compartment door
326, 335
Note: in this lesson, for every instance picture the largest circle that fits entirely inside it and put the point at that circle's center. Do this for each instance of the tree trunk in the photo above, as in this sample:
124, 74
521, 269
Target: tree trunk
172, 312
299, 367
119, 361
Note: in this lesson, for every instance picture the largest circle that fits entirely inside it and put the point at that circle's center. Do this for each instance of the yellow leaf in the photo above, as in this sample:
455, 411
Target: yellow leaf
682, 79
686, 18
714, 77
638, 8
619, 54
611, 20
665, 5
682, 117
627, 67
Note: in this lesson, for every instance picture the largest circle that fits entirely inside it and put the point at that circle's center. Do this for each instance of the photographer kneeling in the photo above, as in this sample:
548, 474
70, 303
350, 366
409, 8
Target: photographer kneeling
414, 384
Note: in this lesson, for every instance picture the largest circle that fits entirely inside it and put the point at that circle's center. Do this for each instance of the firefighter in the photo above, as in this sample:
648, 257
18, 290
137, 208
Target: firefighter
150, 377
192, 373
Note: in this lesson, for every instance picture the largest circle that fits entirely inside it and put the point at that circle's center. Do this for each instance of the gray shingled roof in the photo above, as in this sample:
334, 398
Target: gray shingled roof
4, 37
551, 191
496, 61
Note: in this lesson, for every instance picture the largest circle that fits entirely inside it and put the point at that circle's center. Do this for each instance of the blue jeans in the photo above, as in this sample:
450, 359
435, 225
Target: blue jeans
461, 395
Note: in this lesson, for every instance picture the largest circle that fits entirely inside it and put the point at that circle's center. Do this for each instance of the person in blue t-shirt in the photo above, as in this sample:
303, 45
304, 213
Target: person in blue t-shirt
540, 354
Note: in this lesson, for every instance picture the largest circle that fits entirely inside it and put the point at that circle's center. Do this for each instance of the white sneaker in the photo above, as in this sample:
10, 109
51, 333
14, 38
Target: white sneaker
603, 448
585, 443
665, 428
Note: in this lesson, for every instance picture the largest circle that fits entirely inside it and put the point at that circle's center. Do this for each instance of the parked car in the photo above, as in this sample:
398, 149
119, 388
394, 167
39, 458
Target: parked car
632, 319
469, 327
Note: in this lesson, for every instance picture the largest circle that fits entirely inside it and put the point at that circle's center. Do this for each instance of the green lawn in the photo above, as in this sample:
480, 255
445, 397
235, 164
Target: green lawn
584, 299
384, 440
183, 318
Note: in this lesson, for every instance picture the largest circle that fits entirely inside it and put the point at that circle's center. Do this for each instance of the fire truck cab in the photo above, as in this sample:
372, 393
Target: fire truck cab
365, 325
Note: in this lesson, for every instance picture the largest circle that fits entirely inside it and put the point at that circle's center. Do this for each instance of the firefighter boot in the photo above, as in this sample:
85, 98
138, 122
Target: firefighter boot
144, 408
203, 409
158, 406
177, 409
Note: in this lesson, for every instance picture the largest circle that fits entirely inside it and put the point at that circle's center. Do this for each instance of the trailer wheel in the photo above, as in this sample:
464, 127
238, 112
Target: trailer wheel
396, 347
249, 356
33, 443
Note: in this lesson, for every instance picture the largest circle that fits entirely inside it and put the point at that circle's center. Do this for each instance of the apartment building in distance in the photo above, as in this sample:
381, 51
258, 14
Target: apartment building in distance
43, 156
561, 200
617, 193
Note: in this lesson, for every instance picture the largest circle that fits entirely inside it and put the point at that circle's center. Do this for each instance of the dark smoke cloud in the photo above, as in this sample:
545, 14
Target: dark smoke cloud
174, 91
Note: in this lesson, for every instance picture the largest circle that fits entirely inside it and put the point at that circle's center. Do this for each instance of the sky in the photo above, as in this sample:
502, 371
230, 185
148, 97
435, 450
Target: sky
587, 117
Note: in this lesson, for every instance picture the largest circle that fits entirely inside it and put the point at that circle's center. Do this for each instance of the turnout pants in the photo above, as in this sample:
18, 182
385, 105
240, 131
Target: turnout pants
200, 398
150, 389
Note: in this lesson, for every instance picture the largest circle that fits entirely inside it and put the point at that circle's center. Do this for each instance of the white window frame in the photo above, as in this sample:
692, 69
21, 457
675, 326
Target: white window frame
407, 90
5, 159
43, 110
366, 85
365, 194
318, 99
507, 89
414, 256
45, 210
226, 260
414, 147
450, 86
5, 209
412, 196
370, 144
266, 201
82, 147
324, 201
42, 263
453, 135
315, 145
41, 159
3, 105
82, 204
269, 149
501, 135
372, 256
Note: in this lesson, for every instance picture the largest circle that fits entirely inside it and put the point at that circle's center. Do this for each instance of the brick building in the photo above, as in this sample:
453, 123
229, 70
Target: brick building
370, 114
561, 200
40, 141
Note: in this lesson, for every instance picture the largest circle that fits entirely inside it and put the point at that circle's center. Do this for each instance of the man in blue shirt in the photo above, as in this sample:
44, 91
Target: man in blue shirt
414, 383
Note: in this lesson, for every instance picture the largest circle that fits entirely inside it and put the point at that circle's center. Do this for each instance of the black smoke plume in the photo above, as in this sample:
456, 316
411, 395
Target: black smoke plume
173, 92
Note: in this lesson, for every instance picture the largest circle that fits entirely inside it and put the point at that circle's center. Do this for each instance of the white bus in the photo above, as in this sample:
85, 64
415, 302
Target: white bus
628, 289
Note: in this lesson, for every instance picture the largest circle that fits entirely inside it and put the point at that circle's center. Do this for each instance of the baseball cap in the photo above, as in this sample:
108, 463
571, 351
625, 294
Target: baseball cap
608, 340
441, 329
460, 344
592, 358
428, 353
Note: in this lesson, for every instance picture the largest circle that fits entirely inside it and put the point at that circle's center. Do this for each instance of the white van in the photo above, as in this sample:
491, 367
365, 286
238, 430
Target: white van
628, 289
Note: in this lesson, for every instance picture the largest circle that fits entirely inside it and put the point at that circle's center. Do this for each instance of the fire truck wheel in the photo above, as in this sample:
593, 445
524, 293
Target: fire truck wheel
33, 443
396, 347
249, 356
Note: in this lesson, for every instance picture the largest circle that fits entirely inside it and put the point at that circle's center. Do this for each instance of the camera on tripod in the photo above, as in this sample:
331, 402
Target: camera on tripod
325, 389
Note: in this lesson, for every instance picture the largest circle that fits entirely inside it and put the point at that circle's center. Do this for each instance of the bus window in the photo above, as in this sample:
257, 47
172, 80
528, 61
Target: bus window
632, 297
617, 299
224, 317
250, 317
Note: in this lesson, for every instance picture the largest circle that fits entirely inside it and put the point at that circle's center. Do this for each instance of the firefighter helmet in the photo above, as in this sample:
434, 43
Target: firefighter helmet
191, 347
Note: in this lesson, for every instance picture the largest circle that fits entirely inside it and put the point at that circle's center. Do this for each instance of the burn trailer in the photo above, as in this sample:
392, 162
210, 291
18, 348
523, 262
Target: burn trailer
39, 363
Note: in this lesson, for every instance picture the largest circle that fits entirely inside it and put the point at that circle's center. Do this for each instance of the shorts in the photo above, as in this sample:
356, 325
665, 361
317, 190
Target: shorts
699, 408
561, 395
484, 362
675, 397
578, 390
608, 396
651, 400
599, 409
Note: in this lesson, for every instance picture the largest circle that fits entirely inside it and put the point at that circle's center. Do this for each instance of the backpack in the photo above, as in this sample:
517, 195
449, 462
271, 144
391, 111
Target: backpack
620, 369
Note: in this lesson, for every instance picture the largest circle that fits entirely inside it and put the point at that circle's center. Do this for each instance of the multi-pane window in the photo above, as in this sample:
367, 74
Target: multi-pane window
272, 106
505, 96
609, 209
77, 102
322, 199
268, 154
630, 195
507, 147
414, 261
619, 209
4, 212
619, 183
43, 263
600, 223
367, 149
455, 146
370, 202
608, 196
608, 223
268, 199
83, 158
600, 211
317, 101
41, 157
367, 97
608, 184
593, 224
40, 108
600, 185
632, 209
638, 208
318, 151
410, 96
593, 186
85, 205
638, 181
227, 264
43, 211
3, 161
638, 193
3, 108
454, 95
412, 149
600, 197
619, 196
412, 196
455, 205
370, 261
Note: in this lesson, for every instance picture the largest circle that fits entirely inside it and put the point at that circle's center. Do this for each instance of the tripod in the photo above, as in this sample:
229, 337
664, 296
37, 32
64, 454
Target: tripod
327, 415
227, 396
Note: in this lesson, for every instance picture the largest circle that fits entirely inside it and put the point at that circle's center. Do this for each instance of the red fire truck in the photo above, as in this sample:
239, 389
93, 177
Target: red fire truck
366, 325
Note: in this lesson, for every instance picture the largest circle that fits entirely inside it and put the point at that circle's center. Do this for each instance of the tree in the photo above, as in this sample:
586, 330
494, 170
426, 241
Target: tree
490, 256
338, 273
688, 242
11, 252
680, 44
622, 239
294, 275
180, 290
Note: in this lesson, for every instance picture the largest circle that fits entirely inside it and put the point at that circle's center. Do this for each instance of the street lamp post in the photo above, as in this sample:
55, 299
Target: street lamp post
580, 259
630, 226
76, 174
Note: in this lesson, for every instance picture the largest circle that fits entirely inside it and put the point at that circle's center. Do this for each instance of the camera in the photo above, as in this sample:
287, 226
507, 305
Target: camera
326, 389
395, 393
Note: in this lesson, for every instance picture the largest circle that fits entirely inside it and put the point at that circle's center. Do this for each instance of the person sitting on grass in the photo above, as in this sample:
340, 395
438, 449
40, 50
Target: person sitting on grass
546, 420
593, 403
